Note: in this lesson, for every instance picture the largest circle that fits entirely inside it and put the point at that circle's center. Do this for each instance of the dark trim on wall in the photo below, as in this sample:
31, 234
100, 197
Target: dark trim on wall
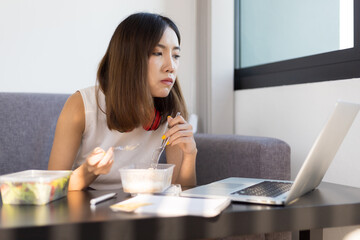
336, 65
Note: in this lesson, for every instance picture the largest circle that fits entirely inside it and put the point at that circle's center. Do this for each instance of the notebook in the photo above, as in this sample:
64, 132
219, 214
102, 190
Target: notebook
308, 178
172, 206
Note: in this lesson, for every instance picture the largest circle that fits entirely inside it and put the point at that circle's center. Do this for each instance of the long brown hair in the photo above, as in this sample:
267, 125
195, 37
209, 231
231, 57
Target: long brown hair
122, 74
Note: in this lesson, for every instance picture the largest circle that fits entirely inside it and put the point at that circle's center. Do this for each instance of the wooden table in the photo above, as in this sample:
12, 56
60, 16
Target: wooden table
330, 205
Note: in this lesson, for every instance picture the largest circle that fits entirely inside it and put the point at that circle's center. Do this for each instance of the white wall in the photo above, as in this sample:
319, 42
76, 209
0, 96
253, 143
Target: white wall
55, 46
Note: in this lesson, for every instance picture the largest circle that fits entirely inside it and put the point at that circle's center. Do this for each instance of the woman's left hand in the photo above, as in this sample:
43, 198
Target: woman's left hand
181, 134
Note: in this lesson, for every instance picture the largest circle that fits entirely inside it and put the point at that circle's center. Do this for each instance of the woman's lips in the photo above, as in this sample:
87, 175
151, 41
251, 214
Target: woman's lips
167, 81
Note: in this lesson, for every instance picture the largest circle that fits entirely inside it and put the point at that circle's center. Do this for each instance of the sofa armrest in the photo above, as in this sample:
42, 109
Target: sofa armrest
222, 156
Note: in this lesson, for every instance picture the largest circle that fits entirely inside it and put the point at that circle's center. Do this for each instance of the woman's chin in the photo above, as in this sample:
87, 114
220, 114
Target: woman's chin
162, 94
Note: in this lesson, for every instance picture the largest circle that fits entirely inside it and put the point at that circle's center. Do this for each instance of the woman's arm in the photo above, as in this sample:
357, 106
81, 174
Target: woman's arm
67, 140
181, 151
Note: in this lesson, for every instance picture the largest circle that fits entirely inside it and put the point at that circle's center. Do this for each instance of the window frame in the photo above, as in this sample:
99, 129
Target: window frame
330, 66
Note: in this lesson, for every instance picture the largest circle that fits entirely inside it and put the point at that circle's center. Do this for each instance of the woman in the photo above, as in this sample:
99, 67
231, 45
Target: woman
137, 94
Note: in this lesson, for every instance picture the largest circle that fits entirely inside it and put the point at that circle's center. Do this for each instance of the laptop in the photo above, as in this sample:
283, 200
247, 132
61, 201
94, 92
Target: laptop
280, 192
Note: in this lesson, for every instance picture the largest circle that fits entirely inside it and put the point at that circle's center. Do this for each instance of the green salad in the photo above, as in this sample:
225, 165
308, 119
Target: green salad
34, 192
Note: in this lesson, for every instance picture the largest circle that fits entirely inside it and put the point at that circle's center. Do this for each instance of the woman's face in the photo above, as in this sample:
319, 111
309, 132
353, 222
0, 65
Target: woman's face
163, 64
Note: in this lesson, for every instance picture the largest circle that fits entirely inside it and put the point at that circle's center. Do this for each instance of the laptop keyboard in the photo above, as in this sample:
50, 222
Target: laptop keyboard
266, 189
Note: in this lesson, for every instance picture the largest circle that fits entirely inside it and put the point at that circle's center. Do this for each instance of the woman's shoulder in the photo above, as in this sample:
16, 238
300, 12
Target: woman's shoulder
73, 111
75, 102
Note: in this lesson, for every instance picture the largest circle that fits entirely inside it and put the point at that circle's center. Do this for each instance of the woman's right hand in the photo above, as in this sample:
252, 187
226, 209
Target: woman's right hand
100, 162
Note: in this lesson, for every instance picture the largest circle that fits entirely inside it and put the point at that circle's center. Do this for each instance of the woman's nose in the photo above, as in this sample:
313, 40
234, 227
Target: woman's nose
169, 65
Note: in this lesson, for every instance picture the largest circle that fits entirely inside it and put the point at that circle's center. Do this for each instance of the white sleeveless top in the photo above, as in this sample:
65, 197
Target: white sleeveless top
97, 134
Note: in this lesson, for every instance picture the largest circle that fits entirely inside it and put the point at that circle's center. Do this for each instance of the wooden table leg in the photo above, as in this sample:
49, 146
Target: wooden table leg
313, 234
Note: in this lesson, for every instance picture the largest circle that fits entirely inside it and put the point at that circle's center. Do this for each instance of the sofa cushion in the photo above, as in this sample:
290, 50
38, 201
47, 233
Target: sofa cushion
27, 128
222, 156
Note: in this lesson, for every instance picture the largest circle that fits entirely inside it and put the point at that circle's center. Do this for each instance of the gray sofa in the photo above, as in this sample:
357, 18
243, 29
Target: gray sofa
28, 121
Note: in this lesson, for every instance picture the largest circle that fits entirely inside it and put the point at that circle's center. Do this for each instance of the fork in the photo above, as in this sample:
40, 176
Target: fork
126, 147
158, 151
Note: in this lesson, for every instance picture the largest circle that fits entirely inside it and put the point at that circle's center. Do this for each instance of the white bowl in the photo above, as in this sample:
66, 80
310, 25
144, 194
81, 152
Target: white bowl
142, 178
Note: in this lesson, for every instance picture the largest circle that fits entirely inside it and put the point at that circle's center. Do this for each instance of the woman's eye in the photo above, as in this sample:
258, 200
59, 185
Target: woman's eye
176, 56
157, 53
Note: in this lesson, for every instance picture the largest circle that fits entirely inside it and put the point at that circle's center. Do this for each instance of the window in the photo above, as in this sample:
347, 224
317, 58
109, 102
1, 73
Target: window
281, 42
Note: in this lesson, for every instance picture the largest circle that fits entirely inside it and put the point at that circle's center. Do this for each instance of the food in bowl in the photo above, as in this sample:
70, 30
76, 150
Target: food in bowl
142, 178
36, 187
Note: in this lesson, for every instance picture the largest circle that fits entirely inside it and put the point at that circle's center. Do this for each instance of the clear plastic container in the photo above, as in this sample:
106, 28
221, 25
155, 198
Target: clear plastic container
142, 178
34, 186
